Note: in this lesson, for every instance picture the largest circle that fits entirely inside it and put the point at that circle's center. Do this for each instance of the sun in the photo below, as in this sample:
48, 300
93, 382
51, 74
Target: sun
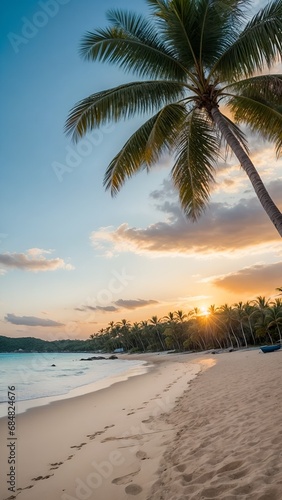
204, 311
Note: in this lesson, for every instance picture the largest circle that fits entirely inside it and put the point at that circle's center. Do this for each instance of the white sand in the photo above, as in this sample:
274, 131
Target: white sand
159, 436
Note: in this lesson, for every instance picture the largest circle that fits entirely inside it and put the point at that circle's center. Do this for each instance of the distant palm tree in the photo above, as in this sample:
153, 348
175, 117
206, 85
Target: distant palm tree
227, 316
180, 316
274, 318
202, 58
170, 317
250, 312
155, 321
240, 316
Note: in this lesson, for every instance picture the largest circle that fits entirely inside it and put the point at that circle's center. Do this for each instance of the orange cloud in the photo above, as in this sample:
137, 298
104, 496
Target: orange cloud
223, 229
258, 279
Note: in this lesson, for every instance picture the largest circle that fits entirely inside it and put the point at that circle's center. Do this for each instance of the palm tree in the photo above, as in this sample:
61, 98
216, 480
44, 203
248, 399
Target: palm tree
250, 312
195, 59
180, 316
155, 321
240, 316
224, 315
274, 318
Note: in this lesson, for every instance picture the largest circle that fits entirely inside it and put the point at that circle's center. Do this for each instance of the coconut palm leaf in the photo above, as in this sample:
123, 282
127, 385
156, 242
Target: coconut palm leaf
193, 171
121, 102
145, 146
259, 44
267, 87
133, 45
165, 130
261, 116
219, 27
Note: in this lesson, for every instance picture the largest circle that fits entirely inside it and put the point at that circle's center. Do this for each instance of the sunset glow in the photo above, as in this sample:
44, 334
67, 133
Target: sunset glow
204, 311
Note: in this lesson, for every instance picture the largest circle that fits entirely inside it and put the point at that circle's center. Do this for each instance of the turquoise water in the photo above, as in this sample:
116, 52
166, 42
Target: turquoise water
34, 377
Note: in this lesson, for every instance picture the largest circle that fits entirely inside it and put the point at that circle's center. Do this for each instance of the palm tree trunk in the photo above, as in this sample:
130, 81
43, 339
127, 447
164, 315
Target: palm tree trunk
235, 337
267, 203
230, 340
279, 331
160, 340
252, 333
243, 333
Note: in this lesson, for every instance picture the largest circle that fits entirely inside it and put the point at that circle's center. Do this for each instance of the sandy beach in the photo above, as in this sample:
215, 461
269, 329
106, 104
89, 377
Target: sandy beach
195, 426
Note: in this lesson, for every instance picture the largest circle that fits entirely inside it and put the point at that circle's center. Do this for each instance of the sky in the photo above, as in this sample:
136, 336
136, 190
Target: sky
73, 259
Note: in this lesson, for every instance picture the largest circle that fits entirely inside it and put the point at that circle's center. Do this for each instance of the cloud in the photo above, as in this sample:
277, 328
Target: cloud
224, 228
118, 305
102, 308
31, 321
257, 279
134, 304
33, 260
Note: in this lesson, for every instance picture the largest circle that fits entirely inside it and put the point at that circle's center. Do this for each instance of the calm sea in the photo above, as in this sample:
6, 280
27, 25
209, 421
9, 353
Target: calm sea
37, 382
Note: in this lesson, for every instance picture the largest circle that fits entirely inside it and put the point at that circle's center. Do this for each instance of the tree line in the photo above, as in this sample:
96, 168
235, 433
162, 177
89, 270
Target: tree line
246, 324
31, 344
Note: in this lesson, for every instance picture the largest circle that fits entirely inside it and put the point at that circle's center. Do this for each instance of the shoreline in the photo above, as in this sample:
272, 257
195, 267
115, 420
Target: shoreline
28, 404
57, 444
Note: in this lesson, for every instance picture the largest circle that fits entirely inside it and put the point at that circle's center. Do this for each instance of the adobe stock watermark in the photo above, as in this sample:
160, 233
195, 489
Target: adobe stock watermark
48, 9
76, 154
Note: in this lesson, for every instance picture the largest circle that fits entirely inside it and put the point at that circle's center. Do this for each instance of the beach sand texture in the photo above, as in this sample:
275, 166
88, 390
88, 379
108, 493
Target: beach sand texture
160, 436
229, 438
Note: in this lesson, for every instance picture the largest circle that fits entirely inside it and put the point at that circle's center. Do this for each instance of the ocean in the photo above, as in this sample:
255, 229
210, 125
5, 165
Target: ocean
37, 382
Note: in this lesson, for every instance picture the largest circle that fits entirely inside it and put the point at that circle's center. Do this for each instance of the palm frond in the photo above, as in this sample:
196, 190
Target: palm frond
268, 87
120, 102
164, 132
177, 24
198, 31
193, 171
145, 146
220, 22
259, 44
261, 116
133, 44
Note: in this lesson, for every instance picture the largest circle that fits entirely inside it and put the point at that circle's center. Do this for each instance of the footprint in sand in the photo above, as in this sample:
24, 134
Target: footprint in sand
79, 446
133, 489
26, 488
125, 479
98, 433
56, 465
40, 478
148, 420
141, 455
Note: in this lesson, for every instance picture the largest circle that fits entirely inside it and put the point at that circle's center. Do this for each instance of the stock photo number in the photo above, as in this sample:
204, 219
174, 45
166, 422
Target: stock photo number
11, 439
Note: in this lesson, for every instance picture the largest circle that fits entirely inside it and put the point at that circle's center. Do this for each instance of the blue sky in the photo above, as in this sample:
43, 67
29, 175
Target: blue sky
72, 259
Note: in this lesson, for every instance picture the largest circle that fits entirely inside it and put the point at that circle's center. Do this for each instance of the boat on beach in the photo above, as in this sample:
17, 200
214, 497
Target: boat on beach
270, 348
